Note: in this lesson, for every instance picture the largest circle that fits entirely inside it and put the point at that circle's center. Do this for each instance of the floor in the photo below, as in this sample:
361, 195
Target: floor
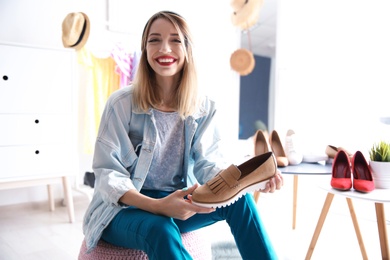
32, 232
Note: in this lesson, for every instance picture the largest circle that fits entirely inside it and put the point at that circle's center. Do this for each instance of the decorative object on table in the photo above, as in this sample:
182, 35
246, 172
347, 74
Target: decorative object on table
292, 145
380, 164
277, 149
230, 184
75, 30
362, 176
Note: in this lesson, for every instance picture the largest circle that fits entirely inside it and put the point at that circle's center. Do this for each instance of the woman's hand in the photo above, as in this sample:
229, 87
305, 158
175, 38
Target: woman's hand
177, 206
275, 183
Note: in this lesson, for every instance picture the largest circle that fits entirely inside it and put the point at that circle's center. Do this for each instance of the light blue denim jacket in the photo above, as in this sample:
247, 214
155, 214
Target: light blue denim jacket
124, 150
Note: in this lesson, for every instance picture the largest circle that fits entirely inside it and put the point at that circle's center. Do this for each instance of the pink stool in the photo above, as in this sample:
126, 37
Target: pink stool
195, 242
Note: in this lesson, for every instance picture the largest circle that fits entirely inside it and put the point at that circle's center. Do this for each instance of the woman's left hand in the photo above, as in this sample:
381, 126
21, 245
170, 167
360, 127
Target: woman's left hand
273, 184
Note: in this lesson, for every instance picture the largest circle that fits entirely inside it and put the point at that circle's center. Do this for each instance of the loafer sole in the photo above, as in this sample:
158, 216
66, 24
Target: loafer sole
251, 188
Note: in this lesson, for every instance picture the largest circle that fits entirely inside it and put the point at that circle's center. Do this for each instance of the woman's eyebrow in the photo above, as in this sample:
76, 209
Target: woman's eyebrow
158, 34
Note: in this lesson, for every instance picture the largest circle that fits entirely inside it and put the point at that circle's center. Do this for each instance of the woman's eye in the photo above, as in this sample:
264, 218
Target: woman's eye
153, 40
177, 40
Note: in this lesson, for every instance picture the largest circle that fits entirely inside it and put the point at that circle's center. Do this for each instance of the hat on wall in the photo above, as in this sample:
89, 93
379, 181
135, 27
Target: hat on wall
242, 61
75, 30
245, 12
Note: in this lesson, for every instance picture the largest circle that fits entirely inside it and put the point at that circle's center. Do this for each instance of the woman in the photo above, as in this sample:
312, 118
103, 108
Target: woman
152, 135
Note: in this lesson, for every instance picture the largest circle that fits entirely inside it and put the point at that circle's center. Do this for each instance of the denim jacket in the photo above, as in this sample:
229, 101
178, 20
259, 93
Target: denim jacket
124, 150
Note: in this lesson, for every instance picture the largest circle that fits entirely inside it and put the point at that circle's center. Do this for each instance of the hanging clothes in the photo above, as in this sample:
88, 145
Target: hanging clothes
126, 63
123, 62
134, 65
101, 81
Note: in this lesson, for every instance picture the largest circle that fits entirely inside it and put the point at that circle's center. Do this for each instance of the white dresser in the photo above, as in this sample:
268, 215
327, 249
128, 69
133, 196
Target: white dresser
38, 132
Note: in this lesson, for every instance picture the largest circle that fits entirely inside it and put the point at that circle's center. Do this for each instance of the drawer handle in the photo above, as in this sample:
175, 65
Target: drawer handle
5, 77
36, 151
36, 121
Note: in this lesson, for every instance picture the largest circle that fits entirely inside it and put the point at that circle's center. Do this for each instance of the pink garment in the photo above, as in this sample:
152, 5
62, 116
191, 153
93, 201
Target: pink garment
123, 62
134, 64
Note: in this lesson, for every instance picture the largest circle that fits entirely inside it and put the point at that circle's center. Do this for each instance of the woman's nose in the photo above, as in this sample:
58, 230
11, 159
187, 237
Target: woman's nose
165, 48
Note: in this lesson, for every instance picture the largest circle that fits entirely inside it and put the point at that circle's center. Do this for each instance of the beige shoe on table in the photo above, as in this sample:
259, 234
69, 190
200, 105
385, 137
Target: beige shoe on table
230, 184
332, 150
261, 142
277, 149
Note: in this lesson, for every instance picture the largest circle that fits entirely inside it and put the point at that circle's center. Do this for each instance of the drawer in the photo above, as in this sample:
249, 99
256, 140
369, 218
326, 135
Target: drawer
34, 80
35, 129
39, 160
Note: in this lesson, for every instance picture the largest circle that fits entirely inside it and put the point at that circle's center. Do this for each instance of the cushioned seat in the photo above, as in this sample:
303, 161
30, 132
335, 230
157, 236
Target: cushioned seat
195, 242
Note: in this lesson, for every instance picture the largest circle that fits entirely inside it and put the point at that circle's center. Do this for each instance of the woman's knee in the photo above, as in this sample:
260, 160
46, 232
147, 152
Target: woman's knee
163, 227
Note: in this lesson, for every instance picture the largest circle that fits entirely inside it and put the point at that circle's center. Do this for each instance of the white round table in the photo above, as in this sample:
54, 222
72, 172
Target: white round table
377, 196
304, 169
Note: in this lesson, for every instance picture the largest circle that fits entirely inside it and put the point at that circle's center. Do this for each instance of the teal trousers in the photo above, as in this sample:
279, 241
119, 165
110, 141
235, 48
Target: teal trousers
159, 236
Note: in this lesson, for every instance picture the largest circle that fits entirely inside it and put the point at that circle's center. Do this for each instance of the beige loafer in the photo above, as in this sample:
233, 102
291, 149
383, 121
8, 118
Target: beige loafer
230, 184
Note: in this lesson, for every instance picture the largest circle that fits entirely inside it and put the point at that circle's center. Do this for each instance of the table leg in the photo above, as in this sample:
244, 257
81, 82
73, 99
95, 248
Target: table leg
256, 195
68, 198
320, 223
357, 229
382, 230
295, 196
51, 197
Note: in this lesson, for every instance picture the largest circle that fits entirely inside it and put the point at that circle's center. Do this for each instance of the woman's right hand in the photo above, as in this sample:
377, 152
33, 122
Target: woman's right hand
178, 205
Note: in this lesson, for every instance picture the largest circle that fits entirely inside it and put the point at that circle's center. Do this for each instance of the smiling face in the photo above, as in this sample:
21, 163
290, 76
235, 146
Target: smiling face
164, 48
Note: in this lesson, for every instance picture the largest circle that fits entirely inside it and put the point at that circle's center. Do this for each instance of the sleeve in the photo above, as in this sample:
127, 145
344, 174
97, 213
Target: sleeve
206, 150
114, 156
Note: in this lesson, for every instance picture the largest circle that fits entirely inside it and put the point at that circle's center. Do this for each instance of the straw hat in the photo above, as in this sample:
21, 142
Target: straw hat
245, 12
242, 61
75, 30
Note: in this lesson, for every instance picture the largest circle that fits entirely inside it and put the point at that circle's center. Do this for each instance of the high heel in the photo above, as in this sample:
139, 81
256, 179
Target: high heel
362, 176
261, 146
261, 142
332, 150
277, 149
341, 172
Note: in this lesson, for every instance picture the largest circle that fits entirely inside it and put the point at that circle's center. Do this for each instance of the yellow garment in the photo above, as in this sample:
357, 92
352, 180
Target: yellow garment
101, 80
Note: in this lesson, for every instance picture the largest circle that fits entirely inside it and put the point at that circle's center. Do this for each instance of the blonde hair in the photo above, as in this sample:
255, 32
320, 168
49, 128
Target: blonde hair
146, 95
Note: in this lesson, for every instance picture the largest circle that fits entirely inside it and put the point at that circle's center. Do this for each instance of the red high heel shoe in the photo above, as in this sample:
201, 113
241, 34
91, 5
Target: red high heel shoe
341, 171
362, 176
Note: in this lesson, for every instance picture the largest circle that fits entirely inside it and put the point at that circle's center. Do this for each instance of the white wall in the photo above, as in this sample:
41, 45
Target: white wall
332, 72
39, 23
